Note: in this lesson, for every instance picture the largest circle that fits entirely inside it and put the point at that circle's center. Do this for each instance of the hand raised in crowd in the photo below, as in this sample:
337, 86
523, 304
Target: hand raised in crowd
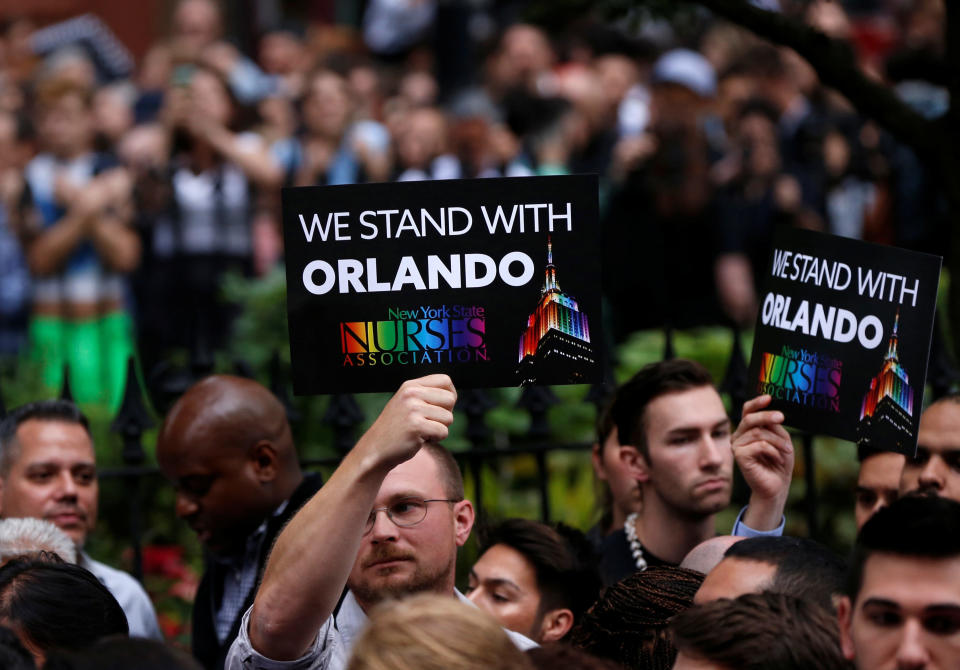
764, 453
420, 411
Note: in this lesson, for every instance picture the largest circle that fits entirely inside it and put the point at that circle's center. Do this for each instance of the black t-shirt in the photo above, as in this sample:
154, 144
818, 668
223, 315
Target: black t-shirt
616, 560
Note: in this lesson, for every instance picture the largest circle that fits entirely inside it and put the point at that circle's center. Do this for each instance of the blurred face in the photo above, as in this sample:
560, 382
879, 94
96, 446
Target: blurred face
326, 109
689, 463
878, 484
611, 468
906, 616
196, 24
217, 485
422, 138
392, 560
504, 584
112, 115
280, 53
209, 97
66, 126
54, 478
758, 136
936, 468
734, 577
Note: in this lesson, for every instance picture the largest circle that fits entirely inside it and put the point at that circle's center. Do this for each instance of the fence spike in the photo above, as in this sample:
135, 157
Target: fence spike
537, 400
132, 418
668, 351
475, 403
280, 389
66, 393
735, 380
942, 374
344, 414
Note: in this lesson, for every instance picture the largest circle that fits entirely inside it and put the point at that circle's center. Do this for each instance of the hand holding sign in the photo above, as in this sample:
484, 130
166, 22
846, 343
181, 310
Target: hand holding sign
764, 453
420, 411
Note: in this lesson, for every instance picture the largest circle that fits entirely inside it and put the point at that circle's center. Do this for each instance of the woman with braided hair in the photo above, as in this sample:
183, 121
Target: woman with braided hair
629, 624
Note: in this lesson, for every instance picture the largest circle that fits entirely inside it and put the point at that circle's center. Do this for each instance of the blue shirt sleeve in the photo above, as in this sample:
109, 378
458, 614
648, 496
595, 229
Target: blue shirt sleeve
741, 529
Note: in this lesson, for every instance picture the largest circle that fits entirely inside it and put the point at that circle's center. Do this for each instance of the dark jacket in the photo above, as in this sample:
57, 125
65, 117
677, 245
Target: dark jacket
206, 647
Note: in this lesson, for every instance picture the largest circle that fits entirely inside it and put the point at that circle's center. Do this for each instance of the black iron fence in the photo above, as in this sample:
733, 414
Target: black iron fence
344, 416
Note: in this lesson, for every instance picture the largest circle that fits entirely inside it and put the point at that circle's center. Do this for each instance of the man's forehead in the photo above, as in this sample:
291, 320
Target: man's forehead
940, 426
881, 470
44, 439
911, 580
417, 476
699, 406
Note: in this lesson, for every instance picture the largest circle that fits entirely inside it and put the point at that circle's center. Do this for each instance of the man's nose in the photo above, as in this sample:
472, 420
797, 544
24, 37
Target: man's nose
68, 487
912, 652
383, 527
711, 452
933, 474
185, 506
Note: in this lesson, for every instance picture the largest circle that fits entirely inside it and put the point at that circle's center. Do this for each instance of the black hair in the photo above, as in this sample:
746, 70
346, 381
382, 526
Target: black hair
41, 410
562, 559
760, 631
13, 655
57, 605
914, 526
651, 382
123, 654
805, 569
628, 624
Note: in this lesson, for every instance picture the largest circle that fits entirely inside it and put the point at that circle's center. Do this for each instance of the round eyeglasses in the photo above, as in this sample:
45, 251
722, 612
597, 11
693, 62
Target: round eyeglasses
405, 512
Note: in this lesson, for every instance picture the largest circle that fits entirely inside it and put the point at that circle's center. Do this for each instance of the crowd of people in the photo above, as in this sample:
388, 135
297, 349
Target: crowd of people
128, 194
130, 189
359, 572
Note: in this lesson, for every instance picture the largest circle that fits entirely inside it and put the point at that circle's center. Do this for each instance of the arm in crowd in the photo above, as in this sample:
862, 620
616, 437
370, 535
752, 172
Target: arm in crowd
98, 212
295, 598
764, 453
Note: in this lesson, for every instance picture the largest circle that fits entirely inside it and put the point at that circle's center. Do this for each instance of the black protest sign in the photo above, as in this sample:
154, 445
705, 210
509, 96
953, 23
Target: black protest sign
495, 282
843, 337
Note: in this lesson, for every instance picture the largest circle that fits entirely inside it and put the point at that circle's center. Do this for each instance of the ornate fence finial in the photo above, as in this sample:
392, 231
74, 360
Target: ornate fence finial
537, 400
735, 380
66, 393
282, 390
132, 418
345, 415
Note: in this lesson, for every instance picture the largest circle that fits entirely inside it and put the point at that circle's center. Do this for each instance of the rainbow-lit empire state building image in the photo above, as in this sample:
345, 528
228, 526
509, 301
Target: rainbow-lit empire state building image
886, 415
555, 347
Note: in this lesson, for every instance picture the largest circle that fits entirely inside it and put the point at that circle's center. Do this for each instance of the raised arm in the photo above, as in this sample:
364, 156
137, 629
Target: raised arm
312, 557
764, 453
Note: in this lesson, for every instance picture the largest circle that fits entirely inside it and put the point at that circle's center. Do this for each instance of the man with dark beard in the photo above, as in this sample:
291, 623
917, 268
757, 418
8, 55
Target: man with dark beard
387, 523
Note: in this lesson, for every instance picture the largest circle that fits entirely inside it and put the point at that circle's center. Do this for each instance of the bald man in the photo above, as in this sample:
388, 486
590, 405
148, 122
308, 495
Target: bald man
226, 446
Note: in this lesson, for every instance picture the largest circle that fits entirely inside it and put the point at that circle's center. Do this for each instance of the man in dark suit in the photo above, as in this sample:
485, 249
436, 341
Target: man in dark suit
227, 447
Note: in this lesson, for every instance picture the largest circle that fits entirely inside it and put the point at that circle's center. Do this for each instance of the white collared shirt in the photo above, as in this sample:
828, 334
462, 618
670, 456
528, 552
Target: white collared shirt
332, 646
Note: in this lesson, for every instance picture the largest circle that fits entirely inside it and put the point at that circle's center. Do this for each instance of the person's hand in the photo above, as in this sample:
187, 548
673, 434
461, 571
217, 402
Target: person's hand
420, 411
222, 57
764, 453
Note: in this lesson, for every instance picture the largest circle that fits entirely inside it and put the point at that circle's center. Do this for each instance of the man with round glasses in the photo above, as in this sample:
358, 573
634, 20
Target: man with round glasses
388, 523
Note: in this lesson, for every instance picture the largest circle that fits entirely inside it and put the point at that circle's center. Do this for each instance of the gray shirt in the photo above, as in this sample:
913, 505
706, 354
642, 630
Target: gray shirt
332, 646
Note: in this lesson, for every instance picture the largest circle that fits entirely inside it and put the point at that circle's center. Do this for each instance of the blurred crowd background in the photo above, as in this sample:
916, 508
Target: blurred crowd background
143, 149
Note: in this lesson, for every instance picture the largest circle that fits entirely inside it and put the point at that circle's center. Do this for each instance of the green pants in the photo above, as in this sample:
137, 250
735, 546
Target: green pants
95, 350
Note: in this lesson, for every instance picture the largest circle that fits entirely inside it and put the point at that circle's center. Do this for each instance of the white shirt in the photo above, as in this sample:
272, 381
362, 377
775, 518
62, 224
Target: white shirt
331, 647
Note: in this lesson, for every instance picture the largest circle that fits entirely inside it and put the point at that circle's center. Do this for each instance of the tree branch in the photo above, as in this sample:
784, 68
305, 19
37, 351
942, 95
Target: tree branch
836, 66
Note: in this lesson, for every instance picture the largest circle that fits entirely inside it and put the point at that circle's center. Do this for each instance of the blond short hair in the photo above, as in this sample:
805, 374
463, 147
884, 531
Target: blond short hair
434, 632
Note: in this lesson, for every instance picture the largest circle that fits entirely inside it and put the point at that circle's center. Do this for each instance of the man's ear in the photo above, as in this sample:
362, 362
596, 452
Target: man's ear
463, 516
555, 624
635, 463
263, 460
844, 619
